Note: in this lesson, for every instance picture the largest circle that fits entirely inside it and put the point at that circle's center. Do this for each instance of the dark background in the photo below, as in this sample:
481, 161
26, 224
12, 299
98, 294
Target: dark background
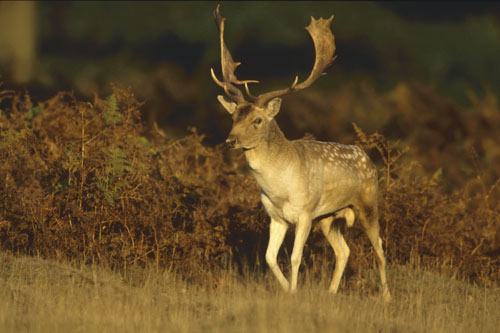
164, 50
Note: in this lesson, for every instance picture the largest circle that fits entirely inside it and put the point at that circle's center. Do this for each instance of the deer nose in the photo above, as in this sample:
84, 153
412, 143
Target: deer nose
231, 141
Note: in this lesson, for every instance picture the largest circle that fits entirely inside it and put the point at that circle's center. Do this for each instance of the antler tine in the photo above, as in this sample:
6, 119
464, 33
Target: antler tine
324, 45
224, 86
252, 97
228, 65
216, 80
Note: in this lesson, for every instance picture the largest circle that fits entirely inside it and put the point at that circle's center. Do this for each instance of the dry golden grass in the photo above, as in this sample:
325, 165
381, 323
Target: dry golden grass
45, 296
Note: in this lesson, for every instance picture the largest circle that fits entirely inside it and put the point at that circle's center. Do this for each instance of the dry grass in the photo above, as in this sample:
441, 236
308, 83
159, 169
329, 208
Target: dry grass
45, 296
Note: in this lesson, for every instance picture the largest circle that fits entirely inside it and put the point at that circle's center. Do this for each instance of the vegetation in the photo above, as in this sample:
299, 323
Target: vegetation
83, 181
108, 223
45, 296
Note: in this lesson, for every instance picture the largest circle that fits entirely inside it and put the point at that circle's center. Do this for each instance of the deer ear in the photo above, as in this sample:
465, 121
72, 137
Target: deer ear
273, 107
228, 105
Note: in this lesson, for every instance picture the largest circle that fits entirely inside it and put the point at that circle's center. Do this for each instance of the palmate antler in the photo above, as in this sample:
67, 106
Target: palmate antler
324, 45
228, 65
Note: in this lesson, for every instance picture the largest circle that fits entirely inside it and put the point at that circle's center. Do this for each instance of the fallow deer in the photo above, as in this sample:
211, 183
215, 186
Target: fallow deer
303, 180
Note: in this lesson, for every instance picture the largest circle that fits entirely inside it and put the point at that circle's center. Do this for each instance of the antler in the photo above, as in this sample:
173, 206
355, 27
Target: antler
228, 65
324, 45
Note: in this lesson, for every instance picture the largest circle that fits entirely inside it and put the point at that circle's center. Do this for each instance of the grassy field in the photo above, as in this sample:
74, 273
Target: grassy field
45, 296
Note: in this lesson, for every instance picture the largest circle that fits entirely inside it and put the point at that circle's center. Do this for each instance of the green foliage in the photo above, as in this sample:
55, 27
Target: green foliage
111, 113
113, 183
33, 112
145, 142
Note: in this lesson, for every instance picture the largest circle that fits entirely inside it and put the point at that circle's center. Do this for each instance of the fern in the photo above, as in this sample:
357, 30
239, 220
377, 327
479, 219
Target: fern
112, 183
118, 162
111, 113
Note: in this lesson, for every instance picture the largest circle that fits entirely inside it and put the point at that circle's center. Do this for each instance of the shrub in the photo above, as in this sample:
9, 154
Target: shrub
86, 181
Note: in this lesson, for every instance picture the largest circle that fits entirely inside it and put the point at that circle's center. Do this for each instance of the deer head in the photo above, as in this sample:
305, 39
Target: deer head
252, 119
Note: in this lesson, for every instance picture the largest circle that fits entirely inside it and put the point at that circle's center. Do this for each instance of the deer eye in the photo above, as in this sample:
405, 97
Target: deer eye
257, 121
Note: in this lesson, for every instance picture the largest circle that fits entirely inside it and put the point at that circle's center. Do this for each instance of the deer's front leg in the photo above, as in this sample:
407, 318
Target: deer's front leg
277, 231
302, 230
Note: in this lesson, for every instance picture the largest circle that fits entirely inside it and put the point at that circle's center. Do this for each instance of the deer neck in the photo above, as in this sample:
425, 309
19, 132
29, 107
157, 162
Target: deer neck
272, 152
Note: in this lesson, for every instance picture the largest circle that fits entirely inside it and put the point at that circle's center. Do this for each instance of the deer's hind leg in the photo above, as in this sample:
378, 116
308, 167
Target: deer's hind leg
368, 217
334, 236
